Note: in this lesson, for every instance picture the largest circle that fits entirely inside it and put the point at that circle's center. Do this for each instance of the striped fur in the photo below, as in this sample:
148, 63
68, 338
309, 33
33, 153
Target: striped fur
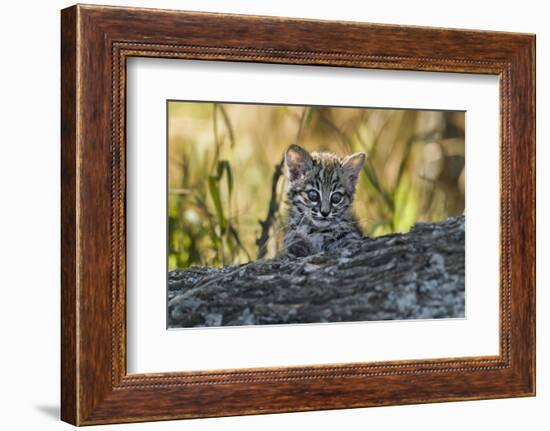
320, 195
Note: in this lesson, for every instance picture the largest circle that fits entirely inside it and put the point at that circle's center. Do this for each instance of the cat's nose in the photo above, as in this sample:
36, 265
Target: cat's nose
325, 213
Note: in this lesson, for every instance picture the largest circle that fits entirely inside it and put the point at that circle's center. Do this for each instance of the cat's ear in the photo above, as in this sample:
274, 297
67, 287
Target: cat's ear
352, 166
298, 162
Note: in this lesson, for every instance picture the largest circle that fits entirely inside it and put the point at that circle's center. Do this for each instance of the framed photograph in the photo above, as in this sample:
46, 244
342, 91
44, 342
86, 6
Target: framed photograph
264, 215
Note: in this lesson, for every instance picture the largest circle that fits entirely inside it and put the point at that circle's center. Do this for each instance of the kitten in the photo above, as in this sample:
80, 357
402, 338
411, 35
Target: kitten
320, 194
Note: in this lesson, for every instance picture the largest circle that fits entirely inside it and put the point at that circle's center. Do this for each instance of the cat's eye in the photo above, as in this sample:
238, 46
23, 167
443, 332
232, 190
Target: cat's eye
313, 196
336, 197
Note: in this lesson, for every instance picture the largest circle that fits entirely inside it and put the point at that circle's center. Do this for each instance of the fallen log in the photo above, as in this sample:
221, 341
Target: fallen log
417, 275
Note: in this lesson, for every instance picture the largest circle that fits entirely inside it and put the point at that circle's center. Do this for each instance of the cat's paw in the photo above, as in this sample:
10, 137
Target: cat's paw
299, 248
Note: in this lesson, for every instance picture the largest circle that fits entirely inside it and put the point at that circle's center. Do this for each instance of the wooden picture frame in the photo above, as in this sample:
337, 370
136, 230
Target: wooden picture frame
95, 43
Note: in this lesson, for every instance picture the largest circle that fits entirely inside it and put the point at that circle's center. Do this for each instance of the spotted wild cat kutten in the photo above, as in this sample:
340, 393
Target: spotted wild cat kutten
320, 196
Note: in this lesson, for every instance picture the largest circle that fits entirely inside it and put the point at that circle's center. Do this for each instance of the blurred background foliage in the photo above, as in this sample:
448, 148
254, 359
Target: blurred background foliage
223, 157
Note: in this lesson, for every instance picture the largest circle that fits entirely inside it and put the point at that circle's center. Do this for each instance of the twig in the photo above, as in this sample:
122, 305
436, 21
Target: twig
261, 242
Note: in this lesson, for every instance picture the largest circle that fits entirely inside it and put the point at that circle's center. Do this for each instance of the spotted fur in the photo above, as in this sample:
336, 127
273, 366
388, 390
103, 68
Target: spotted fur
320, 195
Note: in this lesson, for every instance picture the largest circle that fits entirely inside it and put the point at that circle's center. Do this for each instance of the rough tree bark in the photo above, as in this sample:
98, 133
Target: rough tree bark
418, 275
